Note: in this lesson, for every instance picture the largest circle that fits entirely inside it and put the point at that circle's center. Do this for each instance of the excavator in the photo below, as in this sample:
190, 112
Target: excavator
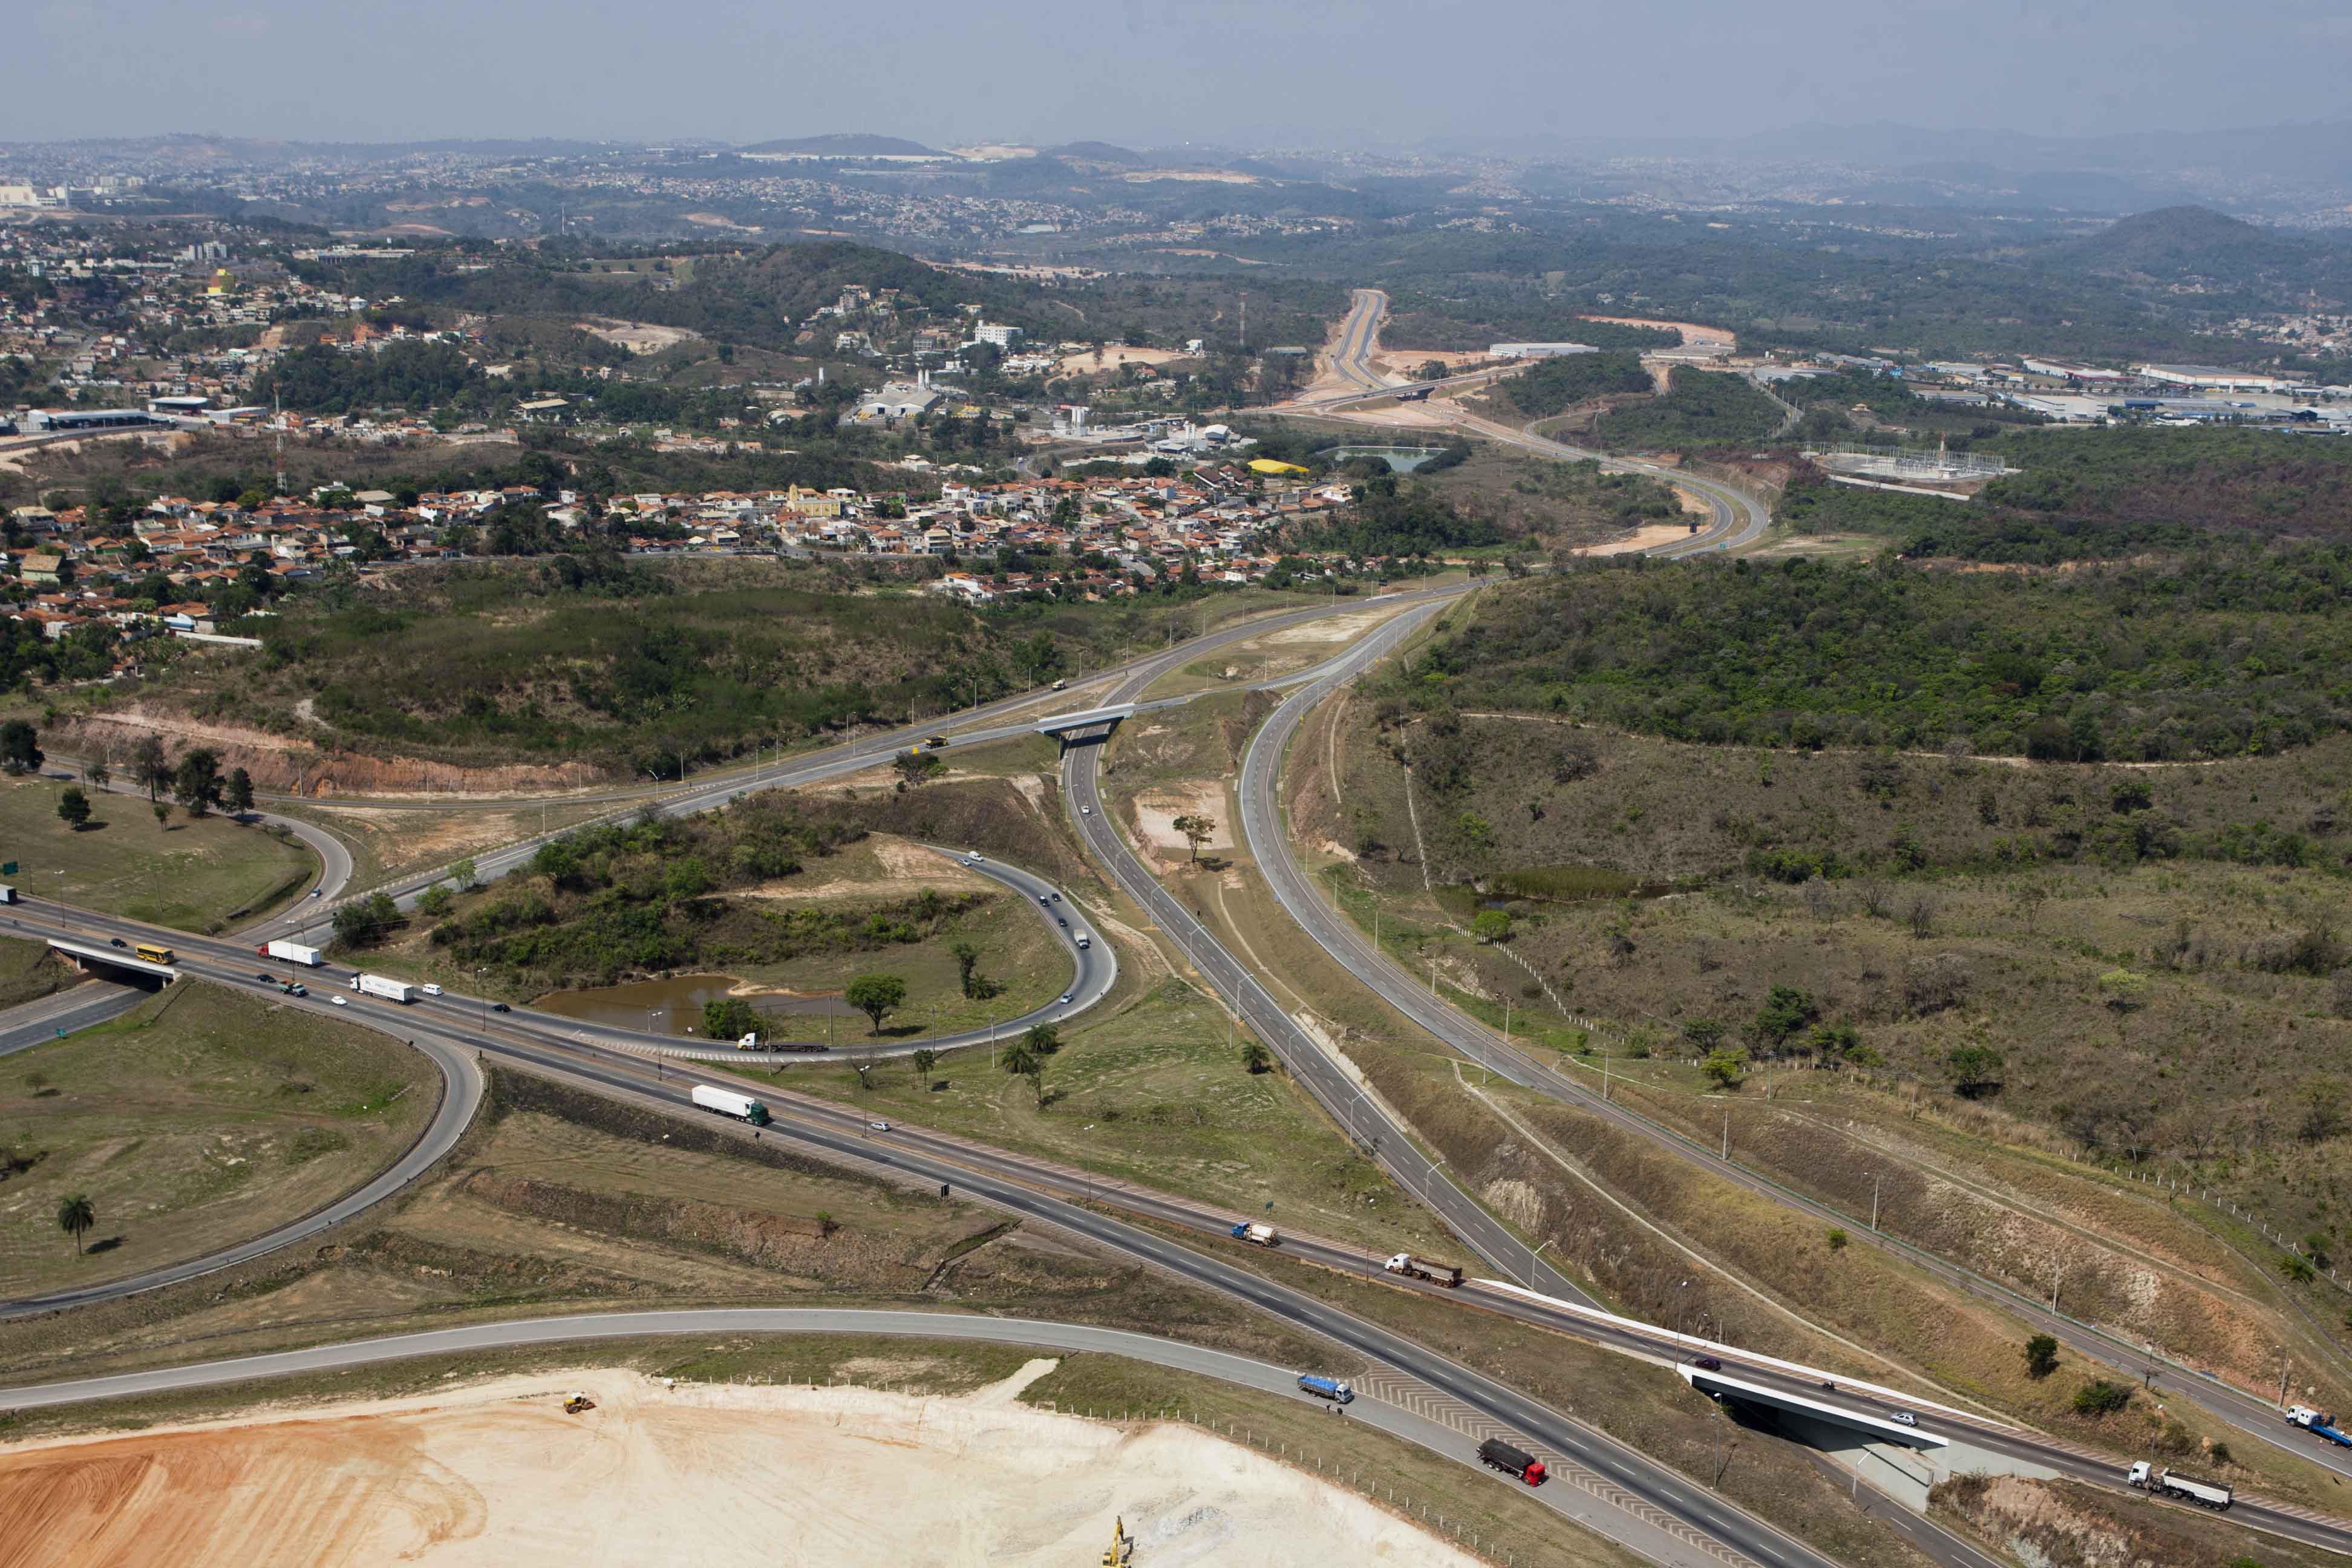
1121, 1553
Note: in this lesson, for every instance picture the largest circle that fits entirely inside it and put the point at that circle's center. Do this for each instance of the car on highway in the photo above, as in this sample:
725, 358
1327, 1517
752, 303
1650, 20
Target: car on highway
974, 856
501, 1007
298, 989
267, 979
1904, 1418
116, 941
1057, 898
1067, 995
314, 892
432, 991
879, 1126
1086, 811
1706, 1363
1063, 921
1044, 899
339, 1001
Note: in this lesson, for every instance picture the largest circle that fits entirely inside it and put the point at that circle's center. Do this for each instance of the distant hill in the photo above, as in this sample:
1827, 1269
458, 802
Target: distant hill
847, 144
2172, 241
1099, 152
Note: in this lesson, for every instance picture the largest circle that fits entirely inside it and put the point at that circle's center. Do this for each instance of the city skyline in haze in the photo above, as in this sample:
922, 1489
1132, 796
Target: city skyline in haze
1498, 75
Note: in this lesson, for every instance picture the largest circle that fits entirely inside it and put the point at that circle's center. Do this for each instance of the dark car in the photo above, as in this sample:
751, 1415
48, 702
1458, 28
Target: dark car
117, 942
267, 979
501, 1007
1706, 1363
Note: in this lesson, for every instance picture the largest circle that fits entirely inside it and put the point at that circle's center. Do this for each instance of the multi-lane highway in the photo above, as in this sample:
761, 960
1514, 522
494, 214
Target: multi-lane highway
1628, 1529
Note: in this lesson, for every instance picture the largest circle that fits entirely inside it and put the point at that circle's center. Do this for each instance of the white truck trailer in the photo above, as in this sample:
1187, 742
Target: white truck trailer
383, 986
2164, 1483
293, 953
727, 1102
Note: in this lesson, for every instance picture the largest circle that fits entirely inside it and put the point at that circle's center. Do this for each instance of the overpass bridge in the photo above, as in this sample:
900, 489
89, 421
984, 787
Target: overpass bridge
1899, 1458
1088, 726
120, 960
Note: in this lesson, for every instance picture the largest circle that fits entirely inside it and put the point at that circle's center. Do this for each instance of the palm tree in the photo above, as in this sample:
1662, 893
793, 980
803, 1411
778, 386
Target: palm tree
76, 1216
1255, 1057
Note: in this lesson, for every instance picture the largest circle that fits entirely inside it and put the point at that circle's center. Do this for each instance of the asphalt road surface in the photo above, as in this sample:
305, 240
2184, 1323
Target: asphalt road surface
1636, 1534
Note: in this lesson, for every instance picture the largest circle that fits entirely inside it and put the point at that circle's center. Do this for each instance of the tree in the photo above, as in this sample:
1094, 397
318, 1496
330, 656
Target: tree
1197, 830
362, 923
1491, 925
463, 875
1703, 1034
914, 767
238, 798
967, 957
728, 1019
75, 1217
1044, 1039
73, 807
1726, 1069
876, 996
196, 783
163, 815
1021, 1060
2100, 1397
150, 770
1255, 1057
436, 900
925, 1060
1974, 1069
2040, 1356
20, 750
98, 773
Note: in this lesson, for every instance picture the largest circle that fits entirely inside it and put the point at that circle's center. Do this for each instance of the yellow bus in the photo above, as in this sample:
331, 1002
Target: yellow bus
153, 954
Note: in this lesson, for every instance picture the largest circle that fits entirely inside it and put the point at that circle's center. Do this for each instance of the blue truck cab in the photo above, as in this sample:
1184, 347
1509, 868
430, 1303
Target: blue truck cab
1330, 1388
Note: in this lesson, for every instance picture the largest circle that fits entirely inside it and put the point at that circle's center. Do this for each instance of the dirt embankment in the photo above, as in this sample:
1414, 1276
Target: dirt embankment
497, 1474
285, 766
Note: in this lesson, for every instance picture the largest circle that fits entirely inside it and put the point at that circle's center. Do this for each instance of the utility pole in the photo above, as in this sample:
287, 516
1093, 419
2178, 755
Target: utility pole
1727, 1135
1533, 1252
1874, 1203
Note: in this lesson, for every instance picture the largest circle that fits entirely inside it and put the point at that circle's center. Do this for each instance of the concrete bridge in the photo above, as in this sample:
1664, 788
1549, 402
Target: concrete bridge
1087, 727
120, 962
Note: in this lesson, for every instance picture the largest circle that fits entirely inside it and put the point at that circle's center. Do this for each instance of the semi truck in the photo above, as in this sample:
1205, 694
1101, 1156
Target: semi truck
2318, 1423
727, 1102
293, 953
1446, 1274
1257, 1235
1511, 1460
8, 894
2164, 1483
1330, 1388
386, 986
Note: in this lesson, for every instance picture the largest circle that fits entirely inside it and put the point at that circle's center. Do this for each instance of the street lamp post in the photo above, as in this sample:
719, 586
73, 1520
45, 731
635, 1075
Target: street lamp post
1533, 1252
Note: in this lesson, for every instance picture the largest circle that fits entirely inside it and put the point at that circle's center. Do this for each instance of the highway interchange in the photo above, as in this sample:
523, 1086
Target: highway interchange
459, 1032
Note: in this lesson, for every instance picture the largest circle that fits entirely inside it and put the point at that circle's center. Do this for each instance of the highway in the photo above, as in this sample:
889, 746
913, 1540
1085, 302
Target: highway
1636, 1534
1270, 846
1737, 518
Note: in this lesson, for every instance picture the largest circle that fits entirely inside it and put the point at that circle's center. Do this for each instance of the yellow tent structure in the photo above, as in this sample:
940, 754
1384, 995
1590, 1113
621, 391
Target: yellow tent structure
1268, 466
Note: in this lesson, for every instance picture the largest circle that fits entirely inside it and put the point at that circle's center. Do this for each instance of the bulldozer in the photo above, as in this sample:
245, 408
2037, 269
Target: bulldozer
575, 1403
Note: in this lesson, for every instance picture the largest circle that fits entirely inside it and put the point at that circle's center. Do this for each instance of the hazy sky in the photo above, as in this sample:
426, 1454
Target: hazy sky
1293, 72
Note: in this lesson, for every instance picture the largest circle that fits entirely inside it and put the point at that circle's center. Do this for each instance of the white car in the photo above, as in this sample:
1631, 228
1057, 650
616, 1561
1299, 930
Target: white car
1066, 997
339, 1001
432, 991
1086, 811
974, 856
879, 1126
1904, 1418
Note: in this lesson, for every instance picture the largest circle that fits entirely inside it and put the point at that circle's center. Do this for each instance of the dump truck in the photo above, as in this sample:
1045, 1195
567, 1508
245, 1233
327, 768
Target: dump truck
1412, 1268
1512, 1461
2318, 1423
386, 986
727, 1102
1257, 1235
1330, 1388
293, 953
2164, 1483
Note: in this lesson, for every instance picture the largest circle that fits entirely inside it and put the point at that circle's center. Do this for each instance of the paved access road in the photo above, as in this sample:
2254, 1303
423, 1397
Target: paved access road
1635, 1533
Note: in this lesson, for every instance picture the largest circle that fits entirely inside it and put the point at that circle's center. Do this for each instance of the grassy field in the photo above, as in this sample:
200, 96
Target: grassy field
1276, 653
29, 971
205, 1117
560, 1200
1156, 1095
1995, 1181
388, 842
190, 875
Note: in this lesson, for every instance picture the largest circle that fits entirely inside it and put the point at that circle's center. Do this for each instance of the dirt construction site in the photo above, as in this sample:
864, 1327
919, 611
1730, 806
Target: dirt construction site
497, 1474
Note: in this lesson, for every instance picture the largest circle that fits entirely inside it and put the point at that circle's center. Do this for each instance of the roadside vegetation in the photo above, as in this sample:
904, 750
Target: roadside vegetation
205, 1117
1556, 384
30, 970
1699, 408
2209, 655
193, 873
